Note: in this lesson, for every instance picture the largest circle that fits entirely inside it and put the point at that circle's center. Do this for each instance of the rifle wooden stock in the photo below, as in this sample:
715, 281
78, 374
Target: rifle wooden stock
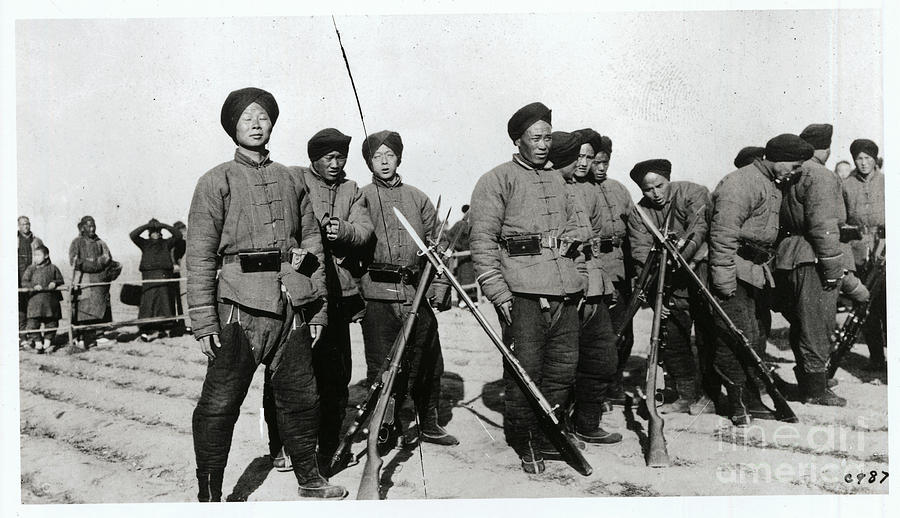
657, 456
849, 331
783, 411
385, 404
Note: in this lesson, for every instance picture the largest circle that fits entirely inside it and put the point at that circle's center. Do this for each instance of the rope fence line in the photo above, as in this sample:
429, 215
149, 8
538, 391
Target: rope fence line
109, 283
151, 320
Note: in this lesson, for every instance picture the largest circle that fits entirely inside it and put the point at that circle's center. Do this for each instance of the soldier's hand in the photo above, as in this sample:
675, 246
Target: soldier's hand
665, 311
332, 228
37, 287
316, 331
51, 286
505, 310
830, 284
209, 345
297, 256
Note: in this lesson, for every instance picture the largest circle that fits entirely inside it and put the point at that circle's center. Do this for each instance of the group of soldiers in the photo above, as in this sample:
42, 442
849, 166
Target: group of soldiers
281, 260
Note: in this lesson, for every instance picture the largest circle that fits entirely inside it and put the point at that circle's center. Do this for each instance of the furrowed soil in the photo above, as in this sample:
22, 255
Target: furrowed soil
114, 425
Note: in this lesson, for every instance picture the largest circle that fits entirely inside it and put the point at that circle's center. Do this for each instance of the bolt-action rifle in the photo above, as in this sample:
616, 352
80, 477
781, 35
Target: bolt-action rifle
563, 440
847, 334
783, 411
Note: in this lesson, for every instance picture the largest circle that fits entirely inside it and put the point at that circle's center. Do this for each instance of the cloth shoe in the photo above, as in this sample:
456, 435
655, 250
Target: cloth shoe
434, 433
282, 462
740, 416
531, 459
703, 405
687, 394
320, 488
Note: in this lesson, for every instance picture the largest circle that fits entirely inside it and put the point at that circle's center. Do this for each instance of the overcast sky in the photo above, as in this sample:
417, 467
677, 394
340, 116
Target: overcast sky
118, 118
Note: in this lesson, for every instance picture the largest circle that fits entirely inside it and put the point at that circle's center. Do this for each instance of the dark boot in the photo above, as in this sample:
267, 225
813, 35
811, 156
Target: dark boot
755, 406
616, 394
740, 416
312, 484
210, 486
815, 391
687, 394
588, 429
435, 433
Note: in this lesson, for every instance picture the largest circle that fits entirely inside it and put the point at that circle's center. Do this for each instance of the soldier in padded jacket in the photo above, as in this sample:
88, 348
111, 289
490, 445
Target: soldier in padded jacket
256, 294
523, 227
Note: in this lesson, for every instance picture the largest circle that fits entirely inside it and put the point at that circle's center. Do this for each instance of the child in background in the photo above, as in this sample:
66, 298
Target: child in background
43, 303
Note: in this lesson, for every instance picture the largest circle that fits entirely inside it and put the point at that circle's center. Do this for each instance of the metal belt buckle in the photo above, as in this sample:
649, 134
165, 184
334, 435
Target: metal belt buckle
552, 242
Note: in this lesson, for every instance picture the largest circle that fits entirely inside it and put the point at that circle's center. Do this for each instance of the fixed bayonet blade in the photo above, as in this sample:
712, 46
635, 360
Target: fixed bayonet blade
649, 224
416, 239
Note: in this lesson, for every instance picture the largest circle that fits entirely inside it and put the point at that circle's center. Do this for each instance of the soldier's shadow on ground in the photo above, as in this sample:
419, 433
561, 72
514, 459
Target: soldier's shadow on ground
253, 476
856, 365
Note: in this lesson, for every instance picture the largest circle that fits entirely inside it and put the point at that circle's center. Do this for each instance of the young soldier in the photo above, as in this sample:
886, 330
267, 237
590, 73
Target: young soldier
685, 205
747, 155
742, 230
614, 252
251, 219
571, 155
809, 265
345, 229
389, 286
864, 199
521, 218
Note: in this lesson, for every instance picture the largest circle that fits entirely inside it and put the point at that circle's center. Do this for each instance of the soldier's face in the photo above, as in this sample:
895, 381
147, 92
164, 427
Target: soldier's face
656, 189
865, 164
24, 225
37, 257
585, 157
784, 171
843, 170
600, 165
331, 165
568, 171
534, 144
384, 163
254, 128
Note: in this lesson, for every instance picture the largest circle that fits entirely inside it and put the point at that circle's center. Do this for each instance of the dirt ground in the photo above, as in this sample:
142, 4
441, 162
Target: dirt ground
114, 425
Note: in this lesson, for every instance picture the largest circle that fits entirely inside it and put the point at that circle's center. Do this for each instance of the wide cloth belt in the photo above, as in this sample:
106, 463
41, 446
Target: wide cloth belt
286, 257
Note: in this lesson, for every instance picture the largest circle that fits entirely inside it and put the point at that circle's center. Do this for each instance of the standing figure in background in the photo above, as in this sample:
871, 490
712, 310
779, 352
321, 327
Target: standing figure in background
157, 264
27, 243
43, 304
90, 257
180, 327
464, 269
743, 229
843, 169
864, 198
389, 286
810, 265
614, 252
345, 229
571, 156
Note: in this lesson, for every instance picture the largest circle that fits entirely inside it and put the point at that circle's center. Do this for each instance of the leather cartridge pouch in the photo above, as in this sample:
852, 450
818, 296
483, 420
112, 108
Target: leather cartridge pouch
850, 233
756, 253
385, 272
570, 249
260, 260
523, 244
